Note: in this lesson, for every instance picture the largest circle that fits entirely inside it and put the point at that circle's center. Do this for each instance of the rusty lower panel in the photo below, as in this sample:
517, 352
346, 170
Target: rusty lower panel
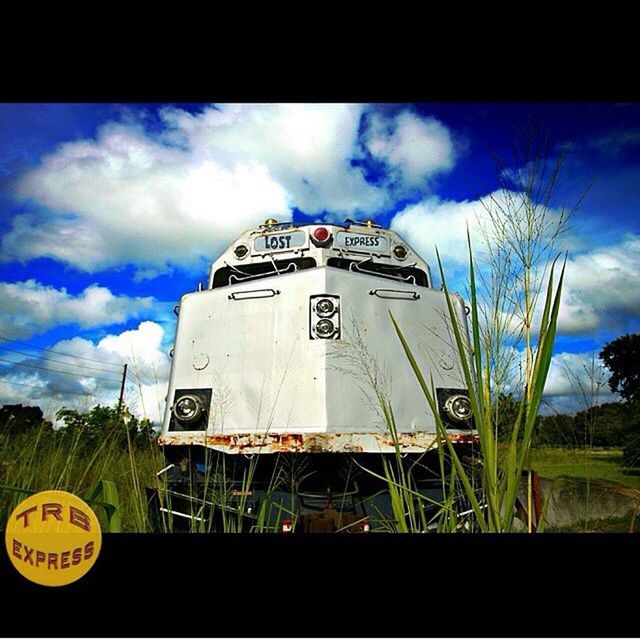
313, 442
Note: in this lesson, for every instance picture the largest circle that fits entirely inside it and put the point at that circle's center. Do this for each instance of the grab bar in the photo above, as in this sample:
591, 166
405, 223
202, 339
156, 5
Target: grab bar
401, 295
254, 293
290, 268
355, 266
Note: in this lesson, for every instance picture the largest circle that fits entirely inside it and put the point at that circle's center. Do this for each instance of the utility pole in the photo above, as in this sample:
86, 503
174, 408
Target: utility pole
124, 377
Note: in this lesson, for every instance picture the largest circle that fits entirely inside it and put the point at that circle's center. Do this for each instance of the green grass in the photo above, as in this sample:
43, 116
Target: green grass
604, 464
40, 461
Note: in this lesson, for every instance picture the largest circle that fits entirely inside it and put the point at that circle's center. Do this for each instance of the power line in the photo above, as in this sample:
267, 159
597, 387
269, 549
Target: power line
64, 373
60, 353
33, 386
69, 364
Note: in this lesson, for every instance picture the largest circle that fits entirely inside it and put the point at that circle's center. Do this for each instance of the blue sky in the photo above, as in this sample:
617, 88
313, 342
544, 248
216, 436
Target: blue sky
111, 211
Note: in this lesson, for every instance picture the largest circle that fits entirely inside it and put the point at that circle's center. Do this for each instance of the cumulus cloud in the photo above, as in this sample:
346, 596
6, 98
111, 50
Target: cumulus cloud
186, 190
415, 148
306, 147
443, 223
126, 198
29, 308
82, 374
602, 289
434, 221
580, 374
146, 352
575, 382
602, 285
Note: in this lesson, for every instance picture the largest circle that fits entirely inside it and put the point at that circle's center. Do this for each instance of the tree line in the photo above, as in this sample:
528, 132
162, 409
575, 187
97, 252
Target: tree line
87, 429
611, 424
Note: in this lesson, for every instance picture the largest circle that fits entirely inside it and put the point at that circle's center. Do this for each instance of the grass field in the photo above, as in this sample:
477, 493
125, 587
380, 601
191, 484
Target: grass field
605, 464
39, 461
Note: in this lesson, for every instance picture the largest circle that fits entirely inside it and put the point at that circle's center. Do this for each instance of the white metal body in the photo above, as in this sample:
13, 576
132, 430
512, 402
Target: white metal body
276, 388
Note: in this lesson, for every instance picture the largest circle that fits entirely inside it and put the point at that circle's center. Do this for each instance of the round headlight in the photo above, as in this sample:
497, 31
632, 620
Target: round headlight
188, 408
325, 329
400, 252
325, 307
241, 251
458, 407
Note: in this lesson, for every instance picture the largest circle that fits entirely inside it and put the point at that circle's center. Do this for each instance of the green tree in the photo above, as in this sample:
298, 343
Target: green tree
557, 429
15, 418
91, 428
606, 425
622, 357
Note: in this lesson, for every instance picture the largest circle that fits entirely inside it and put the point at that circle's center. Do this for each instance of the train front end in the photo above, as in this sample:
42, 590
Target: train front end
282, 364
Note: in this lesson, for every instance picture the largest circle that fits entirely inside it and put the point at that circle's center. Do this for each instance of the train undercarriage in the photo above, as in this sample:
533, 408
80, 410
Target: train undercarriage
207, 491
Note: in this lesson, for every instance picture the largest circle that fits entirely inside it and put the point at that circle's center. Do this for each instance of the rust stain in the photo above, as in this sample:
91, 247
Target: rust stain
333, 442
465, 437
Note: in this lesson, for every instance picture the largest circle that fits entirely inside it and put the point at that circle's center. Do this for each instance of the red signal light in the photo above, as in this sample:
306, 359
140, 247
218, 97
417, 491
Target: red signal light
321, 235
287, 526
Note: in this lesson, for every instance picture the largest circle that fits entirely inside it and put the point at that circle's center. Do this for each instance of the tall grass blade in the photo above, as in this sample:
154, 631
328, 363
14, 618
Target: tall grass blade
430, 396
107, 490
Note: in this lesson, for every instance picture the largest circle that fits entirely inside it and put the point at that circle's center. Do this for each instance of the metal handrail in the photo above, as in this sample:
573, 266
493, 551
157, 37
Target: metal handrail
243, 295
404, 295
287, 269
355, 266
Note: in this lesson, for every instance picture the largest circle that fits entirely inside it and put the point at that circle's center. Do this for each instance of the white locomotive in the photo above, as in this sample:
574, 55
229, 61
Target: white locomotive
290, 348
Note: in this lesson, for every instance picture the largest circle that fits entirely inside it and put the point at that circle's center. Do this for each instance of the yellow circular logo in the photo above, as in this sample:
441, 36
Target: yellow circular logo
53, 538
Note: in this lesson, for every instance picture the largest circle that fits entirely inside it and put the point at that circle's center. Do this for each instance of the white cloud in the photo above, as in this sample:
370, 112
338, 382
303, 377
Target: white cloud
434, 221
89, 374
575, 382
173, 196
149, 367
306, 147
443, 223
602, 285
580, 374
416, 148
126, 198
29, 308
602, 289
